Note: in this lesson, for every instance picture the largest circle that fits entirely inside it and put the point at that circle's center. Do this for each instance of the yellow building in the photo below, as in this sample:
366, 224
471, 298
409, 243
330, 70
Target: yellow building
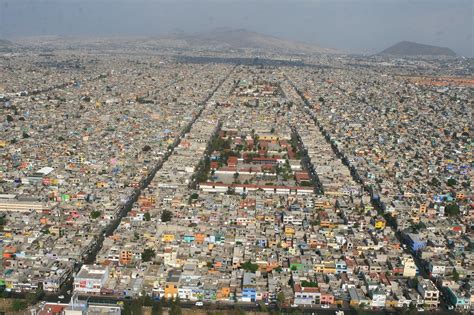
171, 290
380, 224
167, 238
289, 231
422, 208
318, 268
329, 268
223, 293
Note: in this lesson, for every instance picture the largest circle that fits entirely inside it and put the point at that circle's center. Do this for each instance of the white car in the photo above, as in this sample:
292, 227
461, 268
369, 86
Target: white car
199, 303
294, 305
61, 297
325, 306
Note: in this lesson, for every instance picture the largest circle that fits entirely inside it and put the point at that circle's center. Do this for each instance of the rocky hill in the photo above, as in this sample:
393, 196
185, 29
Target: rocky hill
406, 48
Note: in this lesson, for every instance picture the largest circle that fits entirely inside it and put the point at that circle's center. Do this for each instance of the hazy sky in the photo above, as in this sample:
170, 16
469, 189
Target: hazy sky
366, 26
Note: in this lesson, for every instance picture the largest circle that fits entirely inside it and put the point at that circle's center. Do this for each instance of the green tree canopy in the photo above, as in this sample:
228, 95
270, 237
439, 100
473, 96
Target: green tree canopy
166, 216
148, 254
95, 214
19, 305
248, 266
147, 216
451, 182
452, 209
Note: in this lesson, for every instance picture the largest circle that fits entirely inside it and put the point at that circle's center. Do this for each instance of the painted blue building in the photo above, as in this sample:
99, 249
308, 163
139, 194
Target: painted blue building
249, 291
249, 295
414, 242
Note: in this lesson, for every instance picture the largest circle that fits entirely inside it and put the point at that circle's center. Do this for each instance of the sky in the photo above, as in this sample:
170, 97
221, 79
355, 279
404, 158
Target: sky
359, 26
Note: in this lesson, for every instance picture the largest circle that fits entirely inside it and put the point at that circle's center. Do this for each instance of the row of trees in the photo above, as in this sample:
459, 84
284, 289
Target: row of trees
135, 307
31, 298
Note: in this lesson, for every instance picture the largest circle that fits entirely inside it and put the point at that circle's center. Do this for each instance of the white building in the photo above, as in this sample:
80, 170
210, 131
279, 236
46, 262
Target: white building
91, 279
306, 295
378, 298
429, 292
409, 267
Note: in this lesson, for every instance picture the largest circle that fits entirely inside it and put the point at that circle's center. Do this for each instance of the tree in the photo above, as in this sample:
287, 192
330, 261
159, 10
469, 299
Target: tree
146, 299
19, 305
30, 298
10, 118
435, 182
281, 299
455, 275
157, 308
166, 216
134, 307
95, 214
310, 284
361, 310
404, 310
452, 209
194, 196
33, 297
412, 309
148, 254
147, 216
262, 307
248, 266
451, 182
146, 148
175, 307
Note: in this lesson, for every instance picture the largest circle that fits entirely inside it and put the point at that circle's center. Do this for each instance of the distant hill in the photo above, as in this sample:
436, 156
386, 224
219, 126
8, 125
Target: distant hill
406, 48
5, 43
222, 39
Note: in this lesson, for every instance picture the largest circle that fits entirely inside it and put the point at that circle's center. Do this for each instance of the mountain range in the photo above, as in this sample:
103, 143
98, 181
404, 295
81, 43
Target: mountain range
218, 40
233, 39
